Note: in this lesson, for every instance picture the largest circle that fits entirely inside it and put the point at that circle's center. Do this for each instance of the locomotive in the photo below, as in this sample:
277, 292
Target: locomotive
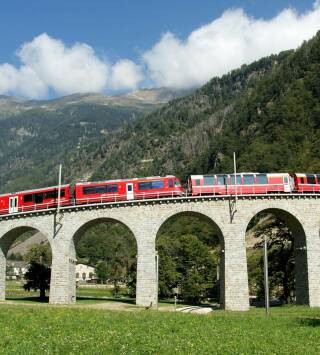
158, 187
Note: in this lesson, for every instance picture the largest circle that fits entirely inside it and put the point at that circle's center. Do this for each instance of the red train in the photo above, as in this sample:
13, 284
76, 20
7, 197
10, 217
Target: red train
157, 187
91, 192
253, 183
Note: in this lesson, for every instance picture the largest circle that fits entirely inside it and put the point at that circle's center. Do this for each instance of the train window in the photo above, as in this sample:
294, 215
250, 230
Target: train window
197, 182
145, 185
208, 180
90, 190
248, 179
302, 180
238, 179
222, 180
285, 180
311, 179
112, 188
38, 198
318, 177
262, 179
157, 184
177, 183
28, 198
171, 183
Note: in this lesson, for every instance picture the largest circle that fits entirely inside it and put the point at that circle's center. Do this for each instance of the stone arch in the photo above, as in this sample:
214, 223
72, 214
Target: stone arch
295, 224
91, 222
85, 226
202, 216
6, 240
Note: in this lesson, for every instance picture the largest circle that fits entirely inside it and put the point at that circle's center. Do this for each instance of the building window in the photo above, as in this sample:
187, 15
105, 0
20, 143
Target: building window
83, 275
77, 275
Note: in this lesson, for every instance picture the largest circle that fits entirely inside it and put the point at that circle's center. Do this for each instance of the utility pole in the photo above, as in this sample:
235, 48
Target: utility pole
266, 278
157, 278
235, 176
59, 189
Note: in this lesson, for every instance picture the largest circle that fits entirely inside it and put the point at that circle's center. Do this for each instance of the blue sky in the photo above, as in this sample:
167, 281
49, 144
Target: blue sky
130, 33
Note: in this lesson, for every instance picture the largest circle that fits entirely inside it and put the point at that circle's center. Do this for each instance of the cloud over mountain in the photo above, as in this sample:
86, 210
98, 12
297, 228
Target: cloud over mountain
225, 44
49, 65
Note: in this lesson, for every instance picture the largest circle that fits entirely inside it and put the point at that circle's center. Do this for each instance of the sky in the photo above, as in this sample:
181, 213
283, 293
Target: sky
55, 48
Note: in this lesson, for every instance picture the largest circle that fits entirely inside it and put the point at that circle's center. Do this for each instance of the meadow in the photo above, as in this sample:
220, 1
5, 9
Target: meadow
90, 327
47, 329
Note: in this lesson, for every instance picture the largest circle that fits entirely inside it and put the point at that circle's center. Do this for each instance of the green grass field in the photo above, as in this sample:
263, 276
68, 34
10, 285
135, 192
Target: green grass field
27, 327
71, 330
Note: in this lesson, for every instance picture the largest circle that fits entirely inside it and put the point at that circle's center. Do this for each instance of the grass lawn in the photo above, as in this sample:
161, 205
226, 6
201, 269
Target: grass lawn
61, 330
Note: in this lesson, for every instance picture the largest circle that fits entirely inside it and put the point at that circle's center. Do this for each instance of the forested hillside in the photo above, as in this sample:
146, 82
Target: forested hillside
268, 112
36, 135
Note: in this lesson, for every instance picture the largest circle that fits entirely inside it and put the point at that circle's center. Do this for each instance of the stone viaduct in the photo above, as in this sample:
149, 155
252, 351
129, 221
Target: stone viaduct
144, 219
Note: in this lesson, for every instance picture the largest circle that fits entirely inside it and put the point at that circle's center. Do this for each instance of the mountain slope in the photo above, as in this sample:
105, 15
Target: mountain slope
36, 135
175, 138
267, 112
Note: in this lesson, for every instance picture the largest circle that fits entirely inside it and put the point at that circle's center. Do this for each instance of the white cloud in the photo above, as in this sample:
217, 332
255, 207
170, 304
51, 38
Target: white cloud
47, 63
226, 43
125, 75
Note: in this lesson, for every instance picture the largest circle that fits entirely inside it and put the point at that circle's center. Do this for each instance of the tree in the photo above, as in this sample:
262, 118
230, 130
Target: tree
39, 272
187, 264
280, 260
101, 271
38, 278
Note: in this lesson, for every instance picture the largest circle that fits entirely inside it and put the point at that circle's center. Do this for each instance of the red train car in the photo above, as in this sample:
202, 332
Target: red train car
246, 183
306, 183
34, 199
128, 189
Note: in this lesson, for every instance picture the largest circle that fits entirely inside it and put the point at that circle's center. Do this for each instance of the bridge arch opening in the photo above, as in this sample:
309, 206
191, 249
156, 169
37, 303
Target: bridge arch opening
25, 253
287, 257
106, 252
190, 246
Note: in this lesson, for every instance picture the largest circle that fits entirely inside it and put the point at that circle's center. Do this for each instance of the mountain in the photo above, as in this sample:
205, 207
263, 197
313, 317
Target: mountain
267, 112
36, 135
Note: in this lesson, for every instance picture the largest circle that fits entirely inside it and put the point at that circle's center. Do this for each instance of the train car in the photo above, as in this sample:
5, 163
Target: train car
306, 183
34, 199
128, 189
246, 183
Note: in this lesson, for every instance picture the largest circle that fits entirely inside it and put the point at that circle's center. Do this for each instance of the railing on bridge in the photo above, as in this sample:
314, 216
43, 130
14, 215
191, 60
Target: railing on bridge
228, 191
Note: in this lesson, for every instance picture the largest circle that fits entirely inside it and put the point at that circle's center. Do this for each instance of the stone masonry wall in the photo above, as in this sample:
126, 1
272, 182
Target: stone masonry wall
144, 221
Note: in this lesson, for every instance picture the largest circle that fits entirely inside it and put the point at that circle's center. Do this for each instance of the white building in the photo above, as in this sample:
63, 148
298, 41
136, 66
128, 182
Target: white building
85, 273
16, 269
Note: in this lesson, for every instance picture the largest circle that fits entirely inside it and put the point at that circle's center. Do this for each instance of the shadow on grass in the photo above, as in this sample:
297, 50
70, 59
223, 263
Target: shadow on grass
28, 299
106, 299
310, 322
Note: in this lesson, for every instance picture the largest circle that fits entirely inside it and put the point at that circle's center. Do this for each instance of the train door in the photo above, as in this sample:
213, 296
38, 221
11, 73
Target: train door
287, 184
130, 195
13, 204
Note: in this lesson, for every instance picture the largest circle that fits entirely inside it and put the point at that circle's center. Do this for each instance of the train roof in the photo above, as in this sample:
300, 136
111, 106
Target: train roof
305, 174
239, 173
33, 190
123, 180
